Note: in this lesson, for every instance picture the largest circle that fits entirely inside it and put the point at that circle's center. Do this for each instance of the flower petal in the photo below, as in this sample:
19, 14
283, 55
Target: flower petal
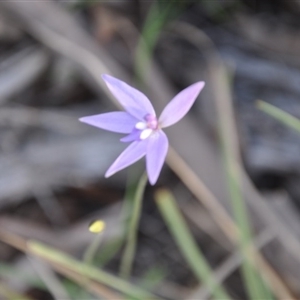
119, 121
132, 136
130, 155
180, 105
156, 153
133, 101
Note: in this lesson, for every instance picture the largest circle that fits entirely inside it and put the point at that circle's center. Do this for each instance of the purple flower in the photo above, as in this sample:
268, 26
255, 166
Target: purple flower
143, 128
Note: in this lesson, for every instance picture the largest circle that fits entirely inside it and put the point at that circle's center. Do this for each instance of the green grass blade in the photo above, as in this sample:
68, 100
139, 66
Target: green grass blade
88, 272
279, 114
159, 15
186, 243
254, 283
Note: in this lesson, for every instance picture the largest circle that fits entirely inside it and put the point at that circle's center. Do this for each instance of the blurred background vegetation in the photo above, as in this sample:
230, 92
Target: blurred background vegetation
223, 221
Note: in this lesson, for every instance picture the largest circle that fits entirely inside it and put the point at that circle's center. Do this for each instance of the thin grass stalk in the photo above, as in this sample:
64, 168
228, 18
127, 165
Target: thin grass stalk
157, 18
130, 248
253, 282
231, 264
93, 286
50, 279
97, 289
86, 271
279, 114
186, 243
229, 144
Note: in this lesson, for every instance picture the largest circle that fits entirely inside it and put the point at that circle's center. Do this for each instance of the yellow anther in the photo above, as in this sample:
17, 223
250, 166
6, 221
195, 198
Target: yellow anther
97, 226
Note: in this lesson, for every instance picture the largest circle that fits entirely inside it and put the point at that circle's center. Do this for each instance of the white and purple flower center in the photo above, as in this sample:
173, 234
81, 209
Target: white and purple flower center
147, 127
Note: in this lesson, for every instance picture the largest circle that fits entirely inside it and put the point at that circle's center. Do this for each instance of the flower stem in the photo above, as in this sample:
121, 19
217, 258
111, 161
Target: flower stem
130, 248
91, 250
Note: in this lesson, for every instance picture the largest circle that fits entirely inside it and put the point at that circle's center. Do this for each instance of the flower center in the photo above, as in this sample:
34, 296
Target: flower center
147, 127
151, 121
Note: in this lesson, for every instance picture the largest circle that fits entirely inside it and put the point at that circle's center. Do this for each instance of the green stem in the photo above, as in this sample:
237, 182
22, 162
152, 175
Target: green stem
130, 248
90, 252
